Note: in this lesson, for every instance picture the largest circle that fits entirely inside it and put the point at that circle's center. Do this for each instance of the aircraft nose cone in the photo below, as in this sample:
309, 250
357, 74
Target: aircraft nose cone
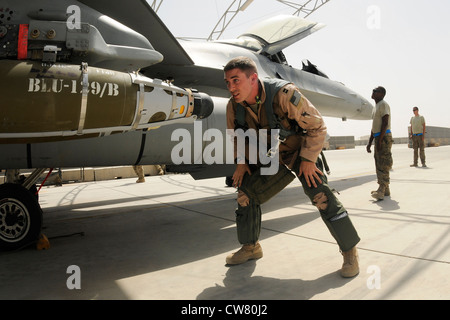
366, 109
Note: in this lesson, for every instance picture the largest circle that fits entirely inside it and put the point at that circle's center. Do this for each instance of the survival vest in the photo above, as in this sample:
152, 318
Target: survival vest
271, 86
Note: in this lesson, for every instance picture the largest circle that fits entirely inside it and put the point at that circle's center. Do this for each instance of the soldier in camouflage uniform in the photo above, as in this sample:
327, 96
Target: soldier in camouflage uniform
417, 135
381, 132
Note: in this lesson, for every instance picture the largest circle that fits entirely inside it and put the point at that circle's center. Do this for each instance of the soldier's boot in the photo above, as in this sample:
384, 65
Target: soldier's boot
247, 252
379, 194
387, 191
350, 267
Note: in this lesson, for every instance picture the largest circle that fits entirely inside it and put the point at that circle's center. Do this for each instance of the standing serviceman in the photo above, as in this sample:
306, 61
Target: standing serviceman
417, 135
299, 150
381, 131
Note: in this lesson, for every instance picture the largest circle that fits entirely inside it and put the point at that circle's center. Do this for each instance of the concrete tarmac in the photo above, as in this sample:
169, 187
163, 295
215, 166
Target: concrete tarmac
167, 239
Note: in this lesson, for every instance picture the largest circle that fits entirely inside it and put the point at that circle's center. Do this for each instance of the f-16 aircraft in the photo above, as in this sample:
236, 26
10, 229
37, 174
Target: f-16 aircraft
105, 83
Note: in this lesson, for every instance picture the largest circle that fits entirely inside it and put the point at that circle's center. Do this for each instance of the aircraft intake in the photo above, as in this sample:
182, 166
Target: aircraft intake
52, 102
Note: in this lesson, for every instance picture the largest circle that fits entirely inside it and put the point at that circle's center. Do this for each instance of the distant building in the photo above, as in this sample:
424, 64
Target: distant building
340, 142
434, 136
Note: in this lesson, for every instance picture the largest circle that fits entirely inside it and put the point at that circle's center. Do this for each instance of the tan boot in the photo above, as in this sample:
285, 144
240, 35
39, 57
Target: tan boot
247, 252
350, 267
387, 192
379, 194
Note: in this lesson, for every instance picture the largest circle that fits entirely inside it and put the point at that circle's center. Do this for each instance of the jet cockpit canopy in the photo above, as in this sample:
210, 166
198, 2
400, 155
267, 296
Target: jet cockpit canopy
273, 35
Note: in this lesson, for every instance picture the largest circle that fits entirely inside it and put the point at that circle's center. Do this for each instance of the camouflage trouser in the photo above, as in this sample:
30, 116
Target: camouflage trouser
139, 170
332, 212
383, 160
418, 144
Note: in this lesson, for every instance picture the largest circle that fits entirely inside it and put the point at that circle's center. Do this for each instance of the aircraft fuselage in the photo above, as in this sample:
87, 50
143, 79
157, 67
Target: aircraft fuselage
331, 98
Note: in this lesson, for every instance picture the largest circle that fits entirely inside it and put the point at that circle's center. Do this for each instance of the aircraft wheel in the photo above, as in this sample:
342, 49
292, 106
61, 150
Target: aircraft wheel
20, 217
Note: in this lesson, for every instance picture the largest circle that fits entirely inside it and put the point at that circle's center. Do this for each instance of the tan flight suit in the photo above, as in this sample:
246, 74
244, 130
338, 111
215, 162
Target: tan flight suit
290, 105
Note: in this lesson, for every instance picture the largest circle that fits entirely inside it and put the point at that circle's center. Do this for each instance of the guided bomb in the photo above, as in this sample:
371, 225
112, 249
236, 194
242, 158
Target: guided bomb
49, 102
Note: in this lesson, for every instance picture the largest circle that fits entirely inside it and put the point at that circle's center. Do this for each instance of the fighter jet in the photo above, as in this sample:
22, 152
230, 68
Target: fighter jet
105, 83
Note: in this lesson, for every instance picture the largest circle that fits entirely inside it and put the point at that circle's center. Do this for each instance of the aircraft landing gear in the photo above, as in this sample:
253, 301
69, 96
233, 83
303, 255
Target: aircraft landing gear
20, 217
20, 214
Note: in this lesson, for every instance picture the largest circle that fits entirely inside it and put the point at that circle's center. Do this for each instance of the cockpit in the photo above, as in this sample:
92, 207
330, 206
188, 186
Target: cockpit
271, 36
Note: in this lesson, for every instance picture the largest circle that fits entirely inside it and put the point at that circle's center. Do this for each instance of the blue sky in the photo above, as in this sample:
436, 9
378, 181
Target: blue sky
401, 45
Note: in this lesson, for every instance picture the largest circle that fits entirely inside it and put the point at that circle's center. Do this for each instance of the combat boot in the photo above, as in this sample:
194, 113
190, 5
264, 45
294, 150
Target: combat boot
350, 267
387, 192
379, 194
247, 252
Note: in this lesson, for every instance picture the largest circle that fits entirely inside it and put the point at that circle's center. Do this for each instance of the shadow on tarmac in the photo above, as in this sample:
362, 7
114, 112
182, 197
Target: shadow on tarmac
239, 284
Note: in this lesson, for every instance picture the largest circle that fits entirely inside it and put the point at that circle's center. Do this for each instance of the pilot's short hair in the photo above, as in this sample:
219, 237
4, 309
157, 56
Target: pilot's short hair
245, 64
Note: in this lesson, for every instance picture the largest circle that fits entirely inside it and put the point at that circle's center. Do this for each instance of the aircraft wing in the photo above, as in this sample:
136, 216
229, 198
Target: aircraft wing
139, 16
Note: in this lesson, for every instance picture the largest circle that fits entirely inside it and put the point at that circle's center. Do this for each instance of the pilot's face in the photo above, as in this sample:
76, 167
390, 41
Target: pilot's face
241, 86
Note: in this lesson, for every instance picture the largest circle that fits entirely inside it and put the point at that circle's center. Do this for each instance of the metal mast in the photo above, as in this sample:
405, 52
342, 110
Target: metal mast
156, 4
302, 8
306, 8
225, 20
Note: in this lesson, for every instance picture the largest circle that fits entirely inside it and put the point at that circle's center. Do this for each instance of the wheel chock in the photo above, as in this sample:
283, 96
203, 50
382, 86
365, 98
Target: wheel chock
42, 243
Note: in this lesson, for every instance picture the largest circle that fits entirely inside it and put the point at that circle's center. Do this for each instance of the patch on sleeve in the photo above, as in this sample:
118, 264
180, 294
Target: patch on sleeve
296, 97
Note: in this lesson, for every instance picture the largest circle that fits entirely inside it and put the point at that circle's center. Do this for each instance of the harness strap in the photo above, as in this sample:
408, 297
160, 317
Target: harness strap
84, 97
271, 87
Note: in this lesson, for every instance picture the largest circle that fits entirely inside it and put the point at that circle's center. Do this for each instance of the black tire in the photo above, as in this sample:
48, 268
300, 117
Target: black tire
20, 217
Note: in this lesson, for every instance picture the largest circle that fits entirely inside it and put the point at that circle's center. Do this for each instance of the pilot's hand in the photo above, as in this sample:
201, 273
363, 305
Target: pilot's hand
239, 173
368, 148
310, 172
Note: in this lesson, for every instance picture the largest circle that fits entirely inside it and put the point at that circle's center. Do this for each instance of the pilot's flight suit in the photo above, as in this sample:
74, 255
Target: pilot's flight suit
290, 105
